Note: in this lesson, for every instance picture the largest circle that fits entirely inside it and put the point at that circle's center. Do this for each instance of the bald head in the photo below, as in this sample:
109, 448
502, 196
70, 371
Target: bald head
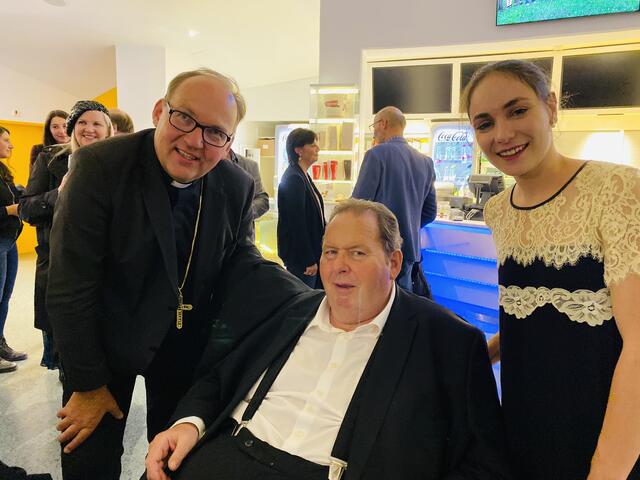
388, 122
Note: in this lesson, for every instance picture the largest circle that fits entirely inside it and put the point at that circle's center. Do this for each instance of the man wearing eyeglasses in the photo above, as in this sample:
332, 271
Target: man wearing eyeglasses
402, 179
145, 232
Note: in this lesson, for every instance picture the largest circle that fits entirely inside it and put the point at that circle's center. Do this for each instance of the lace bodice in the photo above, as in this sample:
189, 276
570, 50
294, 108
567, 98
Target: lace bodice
597, 215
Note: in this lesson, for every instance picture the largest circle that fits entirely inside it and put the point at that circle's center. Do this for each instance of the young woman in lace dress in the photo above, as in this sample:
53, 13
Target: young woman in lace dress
567, 236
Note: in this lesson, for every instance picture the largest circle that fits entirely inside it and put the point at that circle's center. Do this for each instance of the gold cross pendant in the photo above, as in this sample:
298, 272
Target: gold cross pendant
182, 307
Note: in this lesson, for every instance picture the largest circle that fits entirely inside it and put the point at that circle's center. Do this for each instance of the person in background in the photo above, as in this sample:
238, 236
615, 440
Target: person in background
300, 209
567, 237
88, 123
122, 122
10, 228
401, 178
260, 204
55, 132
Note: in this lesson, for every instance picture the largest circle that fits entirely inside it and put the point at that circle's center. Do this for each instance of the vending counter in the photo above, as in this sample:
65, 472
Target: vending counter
459, 261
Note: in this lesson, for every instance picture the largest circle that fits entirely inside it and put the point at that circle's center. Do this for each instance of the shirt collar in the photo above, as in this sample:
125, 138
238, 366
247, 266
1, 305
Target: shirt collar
321, 318
397, 138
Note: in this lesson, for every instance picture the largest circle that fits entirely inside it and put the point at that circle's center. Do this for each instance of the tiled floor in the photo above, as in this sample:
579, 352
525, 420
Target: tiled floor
30, 397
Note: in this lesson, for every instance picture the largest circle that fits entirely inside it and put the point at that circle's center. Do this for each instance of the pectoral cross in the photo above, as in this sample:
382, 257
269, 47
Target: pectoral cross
181, 308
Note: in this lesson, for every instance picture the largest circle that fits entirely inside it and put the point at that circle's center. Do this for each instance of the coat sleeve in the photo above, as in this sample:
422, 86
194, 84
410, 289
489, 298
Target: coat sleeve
430, 206
238, 334
485, 457
33, 155
37, 203
79, 237
260, 203
369, 177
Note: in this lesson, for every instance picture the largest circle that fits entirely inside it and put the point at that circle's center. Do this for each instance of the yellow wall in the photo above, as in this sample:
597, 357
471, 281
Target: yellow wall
109, 98
23, 136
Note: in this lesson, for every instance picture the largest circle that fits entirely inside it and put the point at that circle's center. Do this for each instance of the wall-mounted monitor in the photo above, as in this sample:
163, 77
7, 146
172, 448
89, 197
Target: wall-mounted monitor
419, 89
601, 80
524, 11
468, 69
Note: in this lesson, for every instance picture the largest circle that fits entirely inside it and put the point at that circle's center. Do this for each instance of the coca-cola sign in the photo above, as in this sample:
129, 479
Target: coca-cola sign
452, 136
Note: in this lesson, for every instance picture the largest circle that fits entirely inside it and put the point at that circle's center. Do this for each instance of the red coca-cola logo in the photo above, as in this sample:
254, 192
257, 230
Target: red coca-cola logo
448, 136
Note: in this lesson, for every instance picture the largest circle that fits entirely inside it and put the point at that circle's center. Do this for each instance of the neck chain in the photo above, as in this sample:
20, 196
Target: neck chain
182, 307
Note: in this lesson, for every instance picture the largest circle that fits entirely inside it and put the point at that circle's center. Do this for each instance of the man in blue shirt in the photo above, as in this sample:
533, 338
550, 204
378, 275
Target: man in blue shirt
398, 176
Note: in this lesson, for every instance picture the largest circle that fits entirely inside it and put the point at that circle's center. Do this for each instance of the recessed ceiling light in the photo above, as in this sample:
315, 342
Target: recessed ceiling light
56, 3
193, 33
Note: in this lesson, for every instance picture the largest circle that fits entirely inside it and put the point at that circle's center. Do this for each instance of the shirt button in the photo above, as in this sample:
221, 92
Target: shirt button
333, 365
299, 434
248, 443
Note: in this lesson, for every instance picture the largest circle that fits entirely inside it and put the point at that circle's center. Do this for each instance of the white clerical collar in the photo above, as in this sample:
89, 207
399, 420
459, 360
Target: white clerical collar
175, 183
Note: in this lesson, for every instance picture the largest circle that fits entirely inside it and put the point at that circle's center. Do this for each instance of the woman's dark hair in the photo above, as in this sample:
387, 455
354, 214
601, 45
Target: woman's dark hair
48, 138
527, 72
298, 138
5, 172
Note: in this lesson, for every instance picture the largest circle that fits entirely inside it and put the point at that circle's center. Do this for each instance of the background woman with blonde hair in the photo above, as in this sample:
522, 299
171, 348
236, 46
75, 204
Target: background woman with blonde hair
88, 123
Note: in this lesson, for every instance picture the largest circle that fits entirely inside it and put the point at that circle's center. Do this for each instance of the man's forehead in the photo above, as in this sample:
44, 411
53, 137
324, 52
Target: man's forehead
203, 95
350, 228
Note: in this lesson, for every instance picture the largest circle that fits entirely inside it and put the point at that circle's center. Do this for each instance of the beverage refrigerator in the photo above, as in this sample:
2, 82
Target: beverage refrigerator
452, 151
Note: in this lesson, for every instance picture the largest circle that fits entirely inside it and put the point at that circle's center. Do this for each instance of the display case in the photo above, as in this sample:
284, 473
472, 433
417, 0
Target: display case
333, 117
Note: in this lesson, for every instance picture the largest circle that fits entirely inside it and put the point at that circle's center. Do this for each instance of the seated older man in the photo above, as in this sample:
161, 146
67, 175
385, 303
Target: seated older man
367, 382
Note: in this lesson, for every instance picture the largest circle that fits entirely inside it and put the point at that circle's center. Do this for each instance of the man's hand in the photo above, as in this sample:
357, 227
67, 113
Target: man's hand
312, 270
169, 448
82, 414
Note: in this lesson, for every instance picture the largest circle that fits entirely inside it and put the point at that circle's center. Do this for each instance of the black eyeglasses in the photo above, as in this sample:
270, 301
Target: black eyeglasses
186, 123
374, 124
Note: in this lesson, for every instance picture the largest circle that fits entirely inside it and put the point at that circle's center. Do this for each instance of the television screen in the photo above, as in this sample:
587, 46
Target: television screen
602, 80
413, 89
468, 69
523, 11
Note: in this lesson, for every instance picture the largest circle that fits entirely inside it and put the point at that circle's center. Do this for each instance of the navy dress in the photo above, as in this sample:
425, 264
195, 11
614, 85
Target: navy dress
558, 338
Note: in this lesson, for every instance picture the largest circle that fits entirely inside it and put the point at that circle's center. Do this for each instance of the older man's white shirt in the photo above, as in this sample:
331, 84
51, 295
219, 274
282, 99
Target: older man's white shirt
306, 404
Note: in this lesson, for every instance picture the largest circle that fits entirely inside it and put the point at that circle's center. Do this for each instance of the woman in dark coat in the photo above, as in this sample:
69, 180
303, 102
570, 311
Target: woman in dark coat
88, 122
300, 209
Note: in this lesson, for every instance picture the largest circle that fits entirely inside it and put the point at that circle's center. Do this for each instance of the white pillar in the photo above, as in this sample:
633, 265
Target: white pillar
140, 79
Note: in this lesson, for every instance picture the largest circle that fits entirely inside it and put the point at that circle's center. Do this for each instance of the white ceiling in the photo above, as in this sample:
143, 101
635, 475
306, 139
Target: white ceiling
259, 42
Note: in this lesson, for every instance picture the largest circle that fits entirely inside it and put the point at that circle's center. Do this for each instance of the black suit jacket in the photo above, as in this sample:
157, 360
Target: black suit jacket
429, 408
112, 292
300, 219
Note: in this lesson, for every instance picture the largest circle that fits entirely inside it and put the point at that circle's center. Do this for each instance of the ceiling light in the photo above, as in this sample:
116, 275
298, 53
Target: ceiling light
193, 33
56, 3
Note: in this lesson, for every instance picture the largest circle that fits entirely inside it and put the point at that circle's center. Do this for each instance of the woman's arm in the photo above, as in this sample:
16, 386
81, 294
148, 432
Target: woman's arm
494, 348
36, 205
619, 442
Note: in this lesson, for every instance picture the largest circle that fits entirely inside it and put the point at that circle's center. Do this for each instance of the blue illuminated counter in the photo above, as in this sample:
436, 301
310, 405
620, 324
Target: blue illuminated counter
459, 261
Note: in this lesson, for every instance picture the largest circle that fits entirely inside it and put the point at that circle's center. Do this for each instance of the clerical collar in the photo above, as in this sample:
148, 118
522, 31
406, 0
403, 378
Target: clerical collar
175, 183
171, 182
